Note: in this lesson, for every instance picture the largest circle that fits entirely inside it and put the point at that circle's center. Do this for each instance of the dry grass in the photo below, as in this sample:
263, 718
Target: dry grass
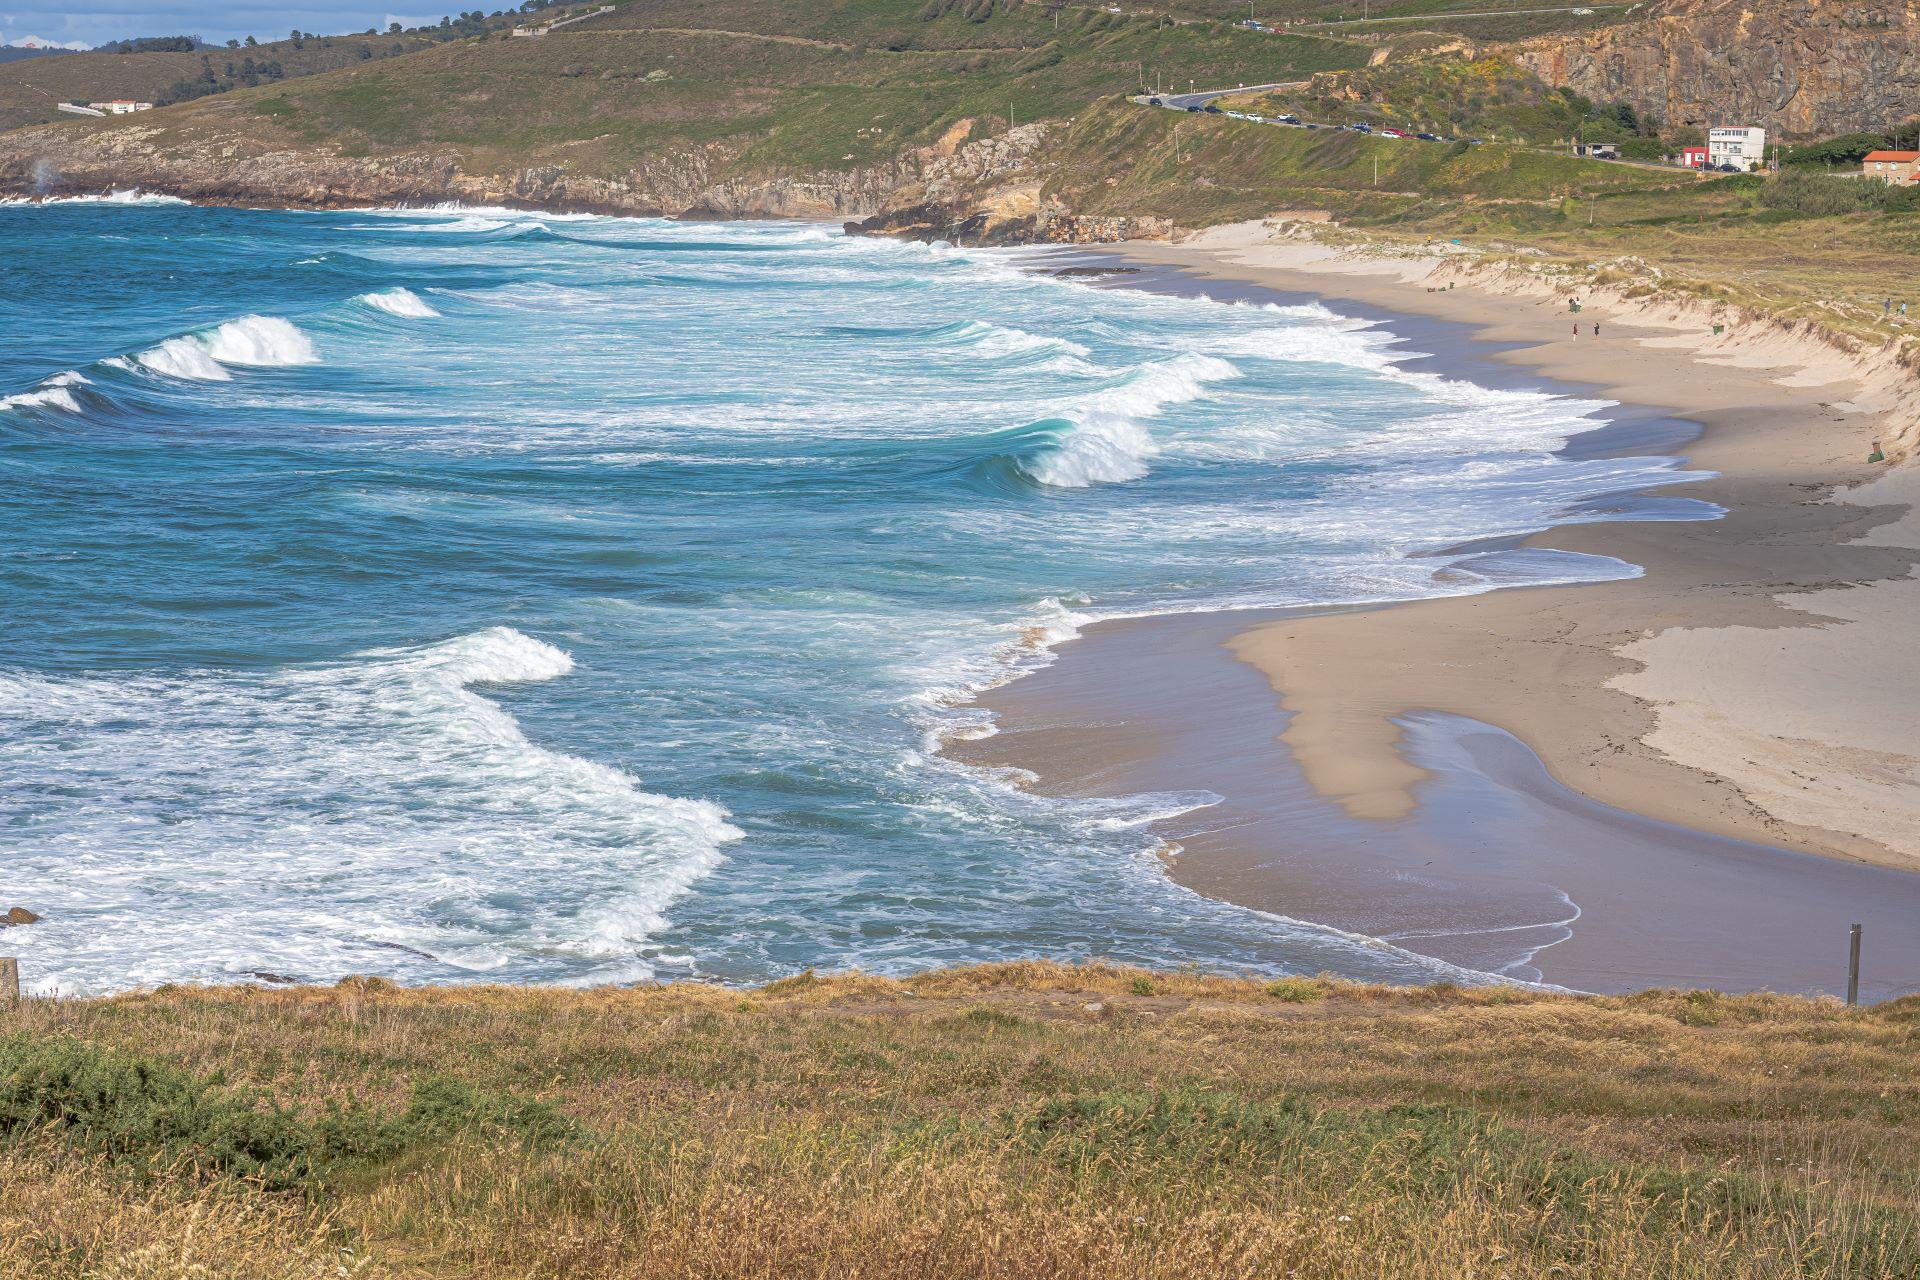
1013, 1120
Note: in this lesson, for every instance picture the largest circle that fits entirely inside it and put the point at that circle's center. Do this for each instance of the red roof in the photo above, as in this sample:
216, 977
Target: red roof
1899, 157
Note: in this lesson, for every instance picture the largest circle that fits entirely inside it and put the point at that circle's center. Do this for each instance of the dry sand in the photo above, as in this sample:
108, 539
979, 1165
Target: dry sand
1755, 682
1699, 730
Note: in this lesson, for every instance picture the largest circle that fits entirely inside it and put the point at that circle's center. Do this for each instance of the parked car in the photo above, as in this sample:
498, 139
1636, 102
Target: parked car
1728, 168
1194, 110
1212, 110
1155, 102
1289, 119
1429, 137
1392, 133
1362, 127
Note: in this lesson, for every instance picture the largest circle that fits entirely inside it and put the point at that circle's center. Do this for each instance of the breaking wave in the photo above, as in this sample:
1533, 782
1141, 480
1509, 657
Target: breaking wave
1104, 440
399, 302
257, 341
453, 844
54, 393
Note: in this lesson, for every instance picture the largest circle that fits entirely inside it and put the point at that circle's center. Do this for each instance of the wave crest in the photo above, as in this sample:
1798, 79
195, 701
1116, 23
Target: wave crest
399, 302
1104, 441
256, 341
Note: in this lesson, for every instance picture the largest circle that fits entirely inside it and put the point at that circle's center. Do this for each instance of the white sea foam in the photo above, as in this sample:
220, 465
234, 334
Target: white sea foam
267, 341
134, 196
1004, 340
184, 358
42, 397
1106, 441
399, 302
52, 393
258, 341
376, 814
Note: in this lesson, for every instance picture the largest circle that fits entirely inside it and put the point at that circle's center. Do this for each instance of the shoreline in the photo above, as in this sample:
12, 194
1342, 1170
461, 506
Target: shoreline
1687, 710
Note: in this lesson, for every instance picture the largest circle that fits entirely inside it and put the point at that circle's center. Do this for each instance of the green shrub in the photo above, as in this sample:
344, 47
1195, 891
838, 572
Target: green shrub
135, 1109
147, 1113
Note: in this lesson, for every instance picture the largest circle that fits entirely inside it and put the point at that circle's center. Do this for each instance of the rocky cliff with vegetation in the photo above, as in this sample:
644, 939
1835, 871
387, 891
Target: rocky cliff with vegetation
1801, 68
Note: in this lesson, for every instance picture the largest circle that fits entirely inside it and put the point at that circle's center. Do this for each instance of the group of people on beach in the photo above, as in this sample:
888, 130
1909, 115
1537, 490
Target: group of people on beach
1576, 329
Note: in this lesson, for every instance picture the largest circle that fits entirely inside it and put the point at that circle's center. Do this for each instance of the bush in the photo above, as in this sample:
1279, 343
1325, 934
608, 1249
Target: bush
148, 1113
1297, 990
1847, 149
134, 1109
1806, 191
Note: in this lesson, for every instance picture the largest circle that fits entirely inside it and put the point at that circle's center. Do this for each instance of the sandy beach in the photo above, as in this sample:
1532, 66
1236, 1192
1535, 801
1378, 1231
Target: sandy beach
1739, 713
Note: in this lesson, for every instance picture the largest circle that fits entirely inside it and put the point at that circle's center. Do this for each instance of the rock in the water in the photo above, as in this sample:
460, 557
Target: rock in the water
18, 915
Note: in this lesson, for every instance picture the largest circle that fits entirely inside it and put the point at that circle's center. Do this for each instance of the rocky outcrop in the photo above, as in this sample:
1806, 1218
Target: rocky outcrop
984, 176
694, 182
16, 916
960, 188
1797, 67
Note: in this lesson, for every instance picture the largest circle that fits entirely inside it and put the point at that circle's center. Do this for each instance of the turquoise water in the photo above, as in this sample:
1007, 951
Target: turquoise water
468, 594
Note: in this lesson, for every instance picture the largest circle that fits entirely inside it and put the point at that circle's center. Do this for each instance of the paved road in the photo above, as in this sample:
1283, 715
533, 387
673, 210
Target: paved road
1181, 101
1449, 16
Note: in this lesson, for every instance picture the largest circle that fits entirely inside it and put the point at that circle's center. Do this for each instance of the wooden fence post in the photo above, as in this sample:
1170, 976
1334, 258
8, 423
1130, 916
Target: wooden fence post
1853, 966
9, 980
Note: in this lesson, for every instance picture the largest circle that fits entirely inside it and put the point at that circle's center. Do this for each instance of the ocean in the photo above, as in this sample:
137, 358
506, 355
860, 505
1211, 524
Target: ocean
476, 595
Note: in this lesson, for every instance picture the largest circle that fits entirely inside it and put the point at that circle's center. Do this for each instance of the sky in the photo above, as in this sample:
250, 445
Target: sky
91, 22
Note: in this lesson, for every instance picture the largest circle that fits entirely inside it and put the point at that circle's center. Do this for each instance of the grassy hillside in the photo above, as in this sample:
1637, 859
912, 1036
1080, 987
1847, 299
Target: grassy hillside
1023, 1120
29, 89
800, 84
1200, 169
1486, 95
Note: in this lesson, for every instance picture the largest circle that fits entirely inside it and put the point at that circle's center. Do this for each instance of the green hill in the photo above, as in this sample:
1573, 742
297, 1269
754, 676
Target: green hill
31, 88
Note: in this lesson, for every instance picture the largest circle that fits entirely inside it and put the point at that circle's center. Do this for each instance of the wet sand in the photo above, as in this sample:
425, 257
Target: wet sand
1600, 785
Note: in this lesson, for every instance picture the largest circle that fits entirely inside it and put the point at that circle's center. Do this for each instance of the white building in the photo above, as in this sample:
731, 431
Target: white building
1743, 147
120, 107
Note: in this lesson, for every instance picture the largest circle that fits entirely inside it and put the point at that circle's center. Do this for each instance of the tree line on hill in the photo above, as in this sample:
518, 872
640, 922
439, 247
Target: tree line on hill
247, 72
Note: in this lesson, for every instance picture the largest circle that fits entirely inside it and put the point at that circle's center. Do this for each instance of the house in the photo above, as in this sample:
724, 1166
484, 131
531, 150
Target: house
120, 107
1742, 146
1895, 168
1597, 150
1693, 157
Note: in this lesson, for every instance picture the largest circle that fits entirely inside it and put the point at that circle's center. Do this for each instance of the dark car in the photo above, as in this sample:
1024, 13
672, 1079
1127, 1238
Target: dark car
1195, 110
1427, 137
1212, 110
1362, 127
1288, 119
1155, 102
1729, 168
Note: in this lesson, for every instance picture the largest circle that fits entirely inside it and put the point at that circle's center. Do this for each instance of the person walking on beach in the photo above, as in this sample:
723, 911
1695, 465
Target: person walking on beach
1596, 328
1576, 331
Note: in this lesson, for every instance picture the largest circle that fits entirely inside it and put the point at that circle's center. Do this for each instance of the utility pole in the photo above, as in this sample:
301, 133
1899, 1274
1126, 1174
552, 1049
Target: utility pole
1376, 171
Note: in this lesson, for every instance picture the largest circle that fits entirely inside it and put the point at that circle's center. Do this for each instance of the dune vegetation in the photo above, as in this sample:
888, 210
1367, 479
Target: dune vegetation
1011, 1120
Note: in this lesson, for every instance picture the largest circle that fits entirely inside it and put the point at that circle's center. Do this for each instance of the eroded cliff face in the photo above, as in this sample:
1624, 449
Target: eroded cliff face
1797, 67
696, 182
991, 186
